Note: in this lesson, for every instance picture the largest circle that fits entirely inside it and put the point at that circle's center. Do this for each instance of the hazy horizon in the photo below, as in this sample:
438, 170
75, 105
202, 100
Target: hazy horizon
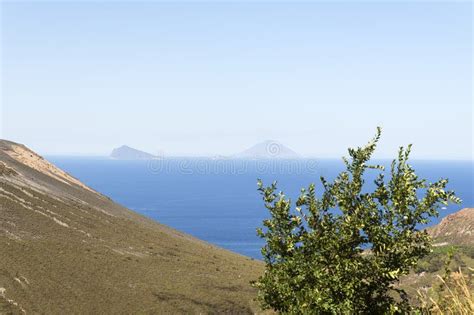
164, 154
203, 79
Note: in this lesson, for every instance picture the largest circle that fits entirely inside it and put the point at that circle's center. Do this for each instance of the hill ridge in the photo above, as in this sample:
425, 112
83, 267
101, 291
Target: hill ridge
456, 228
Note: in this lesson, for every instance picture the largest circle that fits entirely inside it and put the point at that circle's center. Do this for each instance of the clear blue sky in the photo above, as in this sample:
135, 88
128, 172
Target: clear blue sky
193, 78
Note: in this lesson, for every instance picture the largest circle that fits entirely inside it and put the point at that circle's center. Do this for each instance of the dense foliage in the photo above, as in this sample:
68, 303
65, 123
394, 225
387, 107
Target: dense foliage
342, 252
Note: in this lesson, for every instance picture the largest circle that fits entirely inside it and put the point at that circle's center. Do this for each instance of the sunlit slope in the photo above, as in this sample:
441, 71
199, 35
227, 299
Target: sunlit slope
65, 248
456, 228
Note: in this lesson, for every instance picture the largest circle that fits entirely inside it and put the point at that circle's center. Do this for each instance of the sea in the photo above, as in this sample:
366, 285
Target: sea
216, 200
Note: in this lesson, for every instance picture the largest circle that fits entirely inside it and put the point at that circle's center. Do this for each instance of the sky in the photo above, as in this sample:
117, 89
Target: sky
80, 78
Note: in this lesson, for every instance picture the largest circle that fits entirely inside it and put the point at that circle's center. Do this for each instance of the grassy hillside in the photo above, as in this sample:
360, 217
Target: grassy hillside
454, 233
68, 249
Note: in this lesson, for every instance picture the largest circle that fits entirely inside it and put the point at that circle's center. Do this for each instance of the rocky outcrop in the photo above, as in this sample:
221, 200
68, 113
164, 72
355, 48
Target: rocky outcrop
456, 228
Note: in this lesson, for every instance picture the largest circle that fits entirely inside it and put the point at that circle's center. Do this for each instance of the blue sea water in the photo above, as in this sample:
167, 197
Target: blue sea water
217, 200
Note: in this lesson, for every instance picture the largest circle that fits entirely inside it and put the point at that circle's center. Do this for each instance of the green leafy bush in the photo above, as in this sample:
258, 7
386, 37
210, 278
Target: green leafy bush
342, 252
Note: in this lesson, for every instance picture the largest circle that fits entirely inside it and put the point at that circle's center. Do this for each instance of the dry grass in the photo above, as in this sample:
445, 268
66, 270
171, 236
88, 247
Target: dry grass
454, 295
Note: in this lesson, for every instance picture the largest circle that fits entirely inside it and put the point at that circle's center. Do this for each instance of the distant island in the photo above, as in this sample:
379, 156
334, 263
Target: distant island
268, 149
127, 153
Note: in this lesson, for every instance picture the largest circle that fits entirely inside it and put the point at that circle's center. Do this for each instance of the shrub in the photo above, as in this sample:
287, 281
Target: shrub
432, 263
468, 250
342, 252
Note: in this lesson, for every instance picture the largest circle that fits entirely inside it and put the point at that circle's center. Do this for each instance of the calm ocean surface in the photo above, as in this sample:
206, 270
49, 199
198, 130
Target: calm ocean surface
217, 200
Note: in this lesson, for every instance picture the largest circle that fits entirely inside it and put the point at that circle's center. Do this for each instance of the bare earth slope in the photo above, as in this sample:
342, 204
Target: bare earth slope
456, 228
66, 249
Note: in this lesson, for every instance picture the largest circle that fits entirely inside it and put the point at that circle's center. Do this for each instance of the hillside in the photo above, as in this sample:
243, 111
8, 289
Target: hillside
454, 232
268, 149
456, 228
127, 153
66, 248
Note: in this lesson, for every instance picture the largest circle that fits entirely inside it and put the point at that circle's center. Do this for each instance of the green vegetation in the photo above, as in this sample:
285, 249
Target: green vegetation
343, 252
462, 256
